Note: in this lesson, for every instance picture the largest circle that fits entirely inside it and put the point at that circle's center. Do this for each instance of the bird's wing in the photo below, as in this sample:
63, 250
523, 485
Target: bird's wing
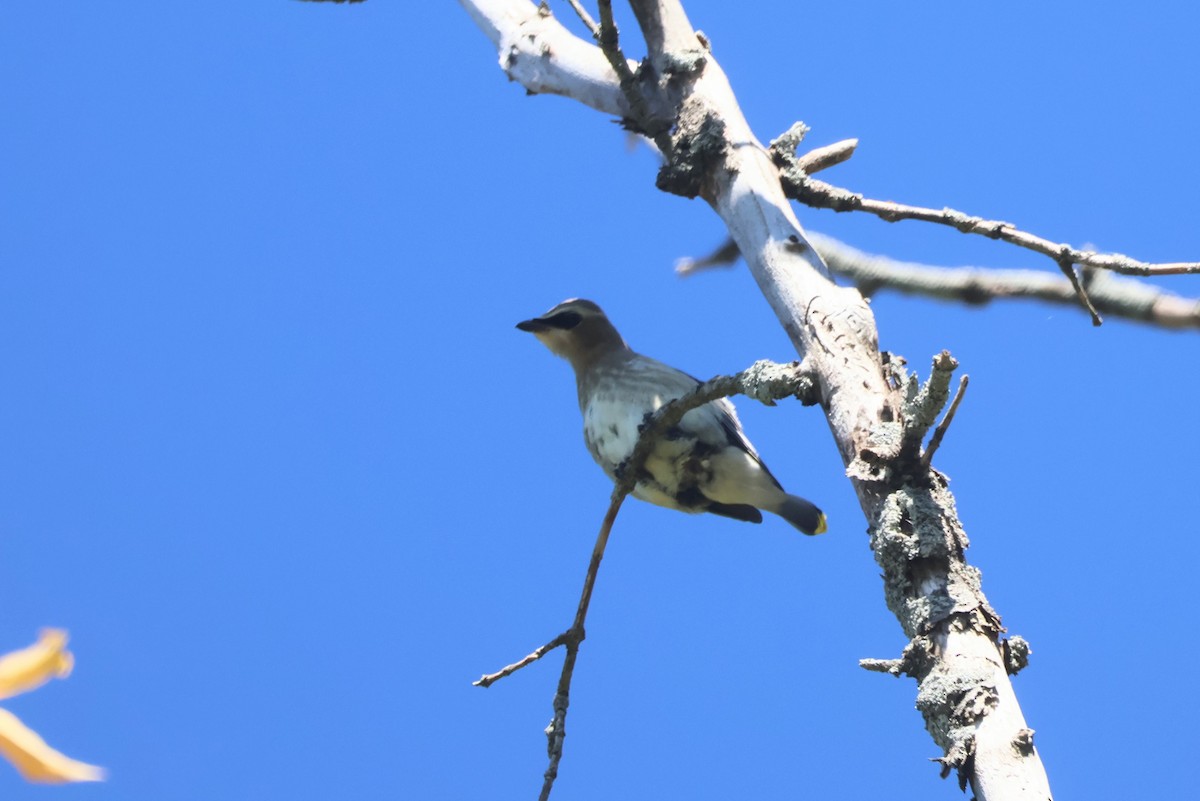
715, 423
721, 410
731, 427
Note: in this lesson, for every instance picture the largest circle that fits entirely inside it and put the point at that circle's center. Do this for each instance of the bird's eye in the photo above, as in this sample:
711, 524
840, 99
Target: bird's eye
565, 320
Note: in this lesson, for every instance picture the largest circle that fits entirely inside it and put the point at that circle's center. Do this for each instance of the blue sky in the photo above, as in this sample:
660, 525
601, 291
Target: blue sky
272, 451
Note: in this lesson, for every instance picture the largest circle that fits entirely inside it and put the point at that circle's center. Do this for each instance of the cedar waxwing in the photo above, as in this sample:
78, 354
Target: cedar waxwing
703, 464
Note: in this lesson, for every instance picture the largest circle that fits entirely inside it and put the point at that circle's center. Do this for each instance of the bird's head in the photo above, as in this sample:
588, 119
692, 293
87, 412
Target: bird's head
577, 330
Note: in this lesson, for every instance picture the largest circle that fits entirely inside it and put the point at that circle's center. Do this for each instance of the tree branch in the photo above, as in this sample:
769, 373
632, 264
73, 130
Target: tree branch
799, 186
543, 56
936, 440
924, 401
1113, 295
964, 691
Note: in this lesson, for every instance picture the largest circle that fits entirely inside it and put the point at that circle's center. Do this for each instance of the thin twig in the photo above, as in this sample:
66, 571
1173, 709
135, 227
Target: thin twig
1068, 269
574, 635
586, 18
799, 185
820, 194
556, 732
488, 679
936, 440
996, 229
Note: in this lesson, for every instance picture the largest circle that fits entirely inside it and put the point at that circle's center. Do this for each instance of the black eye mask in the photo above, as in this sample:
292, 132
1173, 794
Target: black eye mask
565, 320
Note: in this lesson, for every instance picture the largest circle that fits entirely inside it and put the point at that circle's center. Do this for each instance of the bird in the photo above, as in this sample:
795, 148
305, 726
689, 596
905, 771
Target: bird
704, 463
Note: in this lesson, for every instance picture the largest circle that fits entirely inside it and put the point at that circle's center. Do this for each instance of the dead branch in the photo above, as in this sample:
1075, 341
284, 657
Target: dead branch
1113, 295
964, 692
799, 186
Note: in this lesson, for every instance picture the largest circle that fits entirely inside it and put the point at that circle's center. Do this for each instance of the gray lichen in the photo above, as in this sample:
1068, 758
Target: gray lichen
697, 146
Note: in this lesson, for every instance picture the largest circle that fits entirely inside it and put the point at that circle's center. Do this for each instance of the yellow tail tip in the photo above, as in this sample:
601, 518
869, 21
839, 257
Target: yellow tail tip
822, 526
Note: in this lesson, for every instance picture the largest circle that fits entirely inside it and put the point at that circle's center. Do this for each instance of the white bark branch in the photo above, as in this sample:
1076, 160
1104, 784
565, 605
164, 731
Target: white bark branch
956, 654
539, 53
1112, 295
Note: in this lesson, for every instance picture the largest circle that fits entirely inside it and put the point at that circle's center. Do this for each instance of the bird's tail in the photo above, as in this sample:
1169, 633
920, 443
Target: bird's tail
802, 514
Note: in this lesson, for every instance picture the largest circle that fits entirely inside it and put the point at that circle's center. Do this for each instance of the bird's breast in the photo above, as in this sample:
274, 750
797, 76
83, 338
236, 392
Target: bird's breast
610, 428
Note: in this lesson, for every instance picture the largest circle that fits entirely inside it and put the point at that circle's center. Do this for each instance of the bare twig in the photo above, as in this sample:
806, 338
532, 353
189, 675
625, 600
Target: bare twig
890, 666
556, 732
1068, 269
936, 440
819, 194
923, 402
783, 149
586, 18
822, 158
488, 679
799, 185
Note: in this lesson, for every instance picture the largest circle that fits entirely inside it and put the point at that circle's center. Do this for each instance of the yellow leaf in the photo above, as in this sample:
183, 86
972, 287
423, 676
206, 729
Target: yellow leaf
37, 761
30, 668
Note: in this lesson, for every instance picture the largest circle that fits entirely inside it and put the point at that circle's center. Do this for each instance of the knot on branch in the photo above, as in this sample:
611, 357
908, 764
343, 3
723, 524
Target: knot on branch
682, 63
1023, 742
697, 147
917, 660
783, 147
766, 382
876, 451
952, 705
918, 542
1015, 650
795, 171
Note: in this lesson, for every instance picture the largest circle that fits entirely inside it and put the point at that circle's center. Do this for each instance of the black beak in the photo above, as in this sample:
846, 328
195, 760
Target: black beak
532, 326
563, 320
